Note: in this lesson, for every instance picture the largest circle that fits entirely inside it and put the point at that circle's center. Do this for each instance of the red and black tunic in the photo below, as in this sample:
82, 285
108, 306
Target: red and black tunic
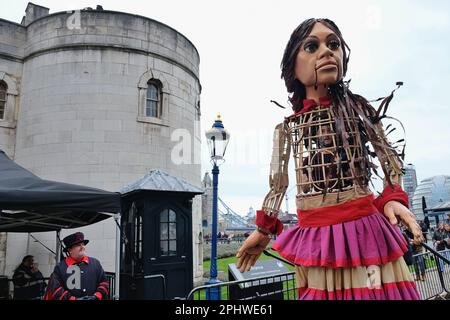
92, 280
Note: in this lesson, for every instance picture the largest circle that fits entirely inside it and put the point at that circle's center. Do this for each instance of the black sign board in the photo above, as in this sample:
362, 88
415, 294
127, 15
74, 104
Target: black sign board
272, 272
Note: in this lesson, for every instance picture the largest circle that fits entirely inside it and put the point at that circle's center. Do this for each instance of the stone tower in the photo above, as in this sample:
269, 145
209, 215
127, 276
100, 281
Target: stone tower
98, 98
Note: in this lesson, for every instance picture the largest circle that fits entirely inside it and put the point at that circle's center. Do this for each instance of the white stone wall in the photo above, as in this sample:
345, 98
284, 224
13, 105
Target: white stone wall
79, 120
10, 74
12, 40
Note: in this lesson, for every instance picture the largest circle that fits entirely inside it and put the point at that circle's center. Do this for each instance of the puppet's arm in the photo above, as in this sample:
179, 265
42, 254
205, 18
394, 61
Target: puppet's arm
393, 201
266, 219
391, 161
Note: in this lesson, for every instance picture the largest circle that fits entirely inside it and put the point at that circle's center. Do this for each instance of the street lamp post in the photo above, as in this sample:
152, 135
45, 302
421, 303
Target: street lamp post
218, 139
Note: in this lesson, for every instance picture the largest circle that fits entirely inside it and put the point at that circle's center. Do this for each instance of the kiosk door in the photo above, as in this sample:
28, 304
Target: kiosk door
171, 254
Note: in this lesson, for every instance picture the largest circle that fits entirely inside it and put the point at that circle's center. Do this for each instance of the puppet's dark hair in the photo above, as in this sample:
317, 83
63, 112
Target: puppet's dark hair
343, 99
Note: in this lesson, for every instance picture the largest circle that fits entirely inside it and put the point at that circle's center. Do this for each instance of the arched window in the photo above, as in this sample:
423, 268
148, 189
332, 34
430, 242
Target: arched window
153, 98
153, 103
3, 89
168, 233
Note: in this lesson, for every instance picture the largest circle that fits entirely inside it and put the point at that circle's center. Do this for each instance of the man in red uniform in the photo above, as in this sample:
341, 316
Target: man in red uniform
78, 277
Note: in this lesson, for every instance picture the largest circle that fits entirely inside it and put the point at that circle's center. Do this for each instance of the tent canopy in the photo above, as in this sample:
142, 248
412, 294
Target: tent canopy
31, 204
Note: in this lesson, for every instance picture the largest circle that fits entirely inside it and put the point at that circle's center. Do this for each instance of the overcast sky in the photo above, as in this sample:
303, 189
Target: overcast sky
241, 44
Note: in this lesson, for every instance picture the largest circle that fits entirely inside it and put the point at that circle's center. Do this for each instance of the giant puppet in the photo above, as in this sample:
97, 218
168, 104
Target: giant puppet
347, 244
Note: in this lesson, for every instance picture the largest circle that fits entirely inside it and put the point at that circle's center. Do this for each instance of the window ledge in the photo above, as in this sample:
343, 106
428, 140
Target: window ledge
153, 120
7, 124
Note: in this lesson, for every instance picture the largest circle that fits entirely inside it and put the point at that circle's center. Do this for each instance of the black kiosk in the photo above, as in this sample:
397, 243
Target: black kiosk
156, 253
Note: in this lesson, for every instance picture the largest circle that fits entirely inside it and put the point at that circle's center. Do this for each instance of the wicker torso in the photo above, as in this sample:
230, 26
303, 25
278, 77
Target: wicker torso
322, 162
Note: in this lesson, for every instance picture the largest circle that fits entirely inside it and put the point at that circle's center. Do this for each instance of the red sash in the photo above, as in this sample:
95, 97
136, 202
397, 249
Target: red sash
334, 214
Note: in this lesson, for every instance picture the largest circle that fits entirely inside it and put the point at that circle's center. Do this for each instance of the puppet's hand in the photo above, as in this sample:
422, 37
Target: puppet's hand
251, 249
394, 209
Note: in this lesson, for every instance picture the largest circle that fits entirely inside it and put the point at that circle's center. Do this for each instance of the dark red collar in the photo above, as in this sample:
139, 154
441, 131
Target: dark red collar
71, 261
309, 104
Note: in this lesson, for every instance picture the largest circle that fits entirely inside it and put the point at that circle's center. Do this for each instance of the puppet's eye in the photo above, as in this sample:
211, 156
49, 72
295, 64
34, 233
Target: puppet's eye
334, 44
310, 47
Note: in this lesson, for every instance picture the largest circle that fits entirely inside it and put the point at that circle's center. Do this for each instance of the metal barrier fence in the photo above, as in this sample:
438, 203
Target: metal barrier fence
7, 286
278, 287
431, 272
163, 279
111, 276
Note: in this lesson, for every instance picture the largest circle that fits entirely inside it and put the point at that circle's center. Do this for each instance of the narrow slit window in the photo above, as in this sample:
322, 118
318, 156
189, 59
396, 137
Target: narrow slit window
3, 90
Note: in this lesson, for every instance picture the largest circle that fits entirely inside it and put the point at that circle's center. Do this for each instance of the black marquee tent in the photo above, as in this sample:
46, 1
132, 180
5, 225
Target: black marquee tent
31, 204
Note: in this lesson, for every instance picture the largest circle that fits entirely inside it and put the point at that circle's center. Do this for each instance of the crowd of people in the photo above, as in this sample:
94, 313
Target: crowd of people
223, 237
440, 236
441, 240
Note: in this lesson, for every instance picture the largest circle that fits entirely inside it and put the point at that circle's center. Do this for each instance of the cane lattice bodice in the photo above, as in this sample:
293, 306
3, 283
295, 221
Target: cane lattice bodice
322, 160
331, 167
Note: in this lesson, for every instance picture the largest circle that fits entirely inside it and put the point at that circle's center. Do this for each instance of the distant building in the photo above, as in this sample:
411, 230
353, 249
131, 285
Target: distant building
440, 212
436, 190
251, 216
207, 204
288, 219
227, 218
410, 181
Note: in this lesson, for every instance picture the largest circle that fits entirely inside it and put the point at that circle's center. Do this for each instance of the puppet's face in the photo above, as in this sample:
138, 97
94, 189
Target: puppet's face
321, 51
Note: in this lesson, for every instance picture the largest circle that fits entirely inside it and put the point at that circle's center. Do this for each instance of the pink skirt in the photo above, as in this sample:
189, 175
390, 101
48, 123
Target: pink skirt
358, 259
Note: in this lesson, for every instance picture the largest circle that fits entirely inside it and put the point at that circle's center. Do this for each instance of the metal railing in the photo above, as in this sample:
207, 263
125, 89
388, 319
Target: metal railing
277, 287
431, 272
7, 293
163, 278
111, 276
7, 288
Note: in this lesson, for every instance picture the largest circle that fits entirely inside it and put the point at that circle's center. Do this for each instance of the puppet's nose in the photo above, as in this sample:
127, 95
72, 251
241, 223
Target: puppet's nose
325, 52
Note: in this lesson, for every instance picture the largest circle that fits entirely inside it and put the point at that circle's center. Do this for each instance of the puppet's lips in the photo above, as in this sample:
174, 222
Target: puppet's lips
327, 65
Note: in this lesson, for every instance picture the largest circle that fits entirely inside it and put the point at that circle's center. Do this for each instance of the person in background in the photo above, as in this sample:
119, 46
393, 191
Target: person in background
424, 228
28, 281
439, 243
446, 241
408, 256
419, 262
